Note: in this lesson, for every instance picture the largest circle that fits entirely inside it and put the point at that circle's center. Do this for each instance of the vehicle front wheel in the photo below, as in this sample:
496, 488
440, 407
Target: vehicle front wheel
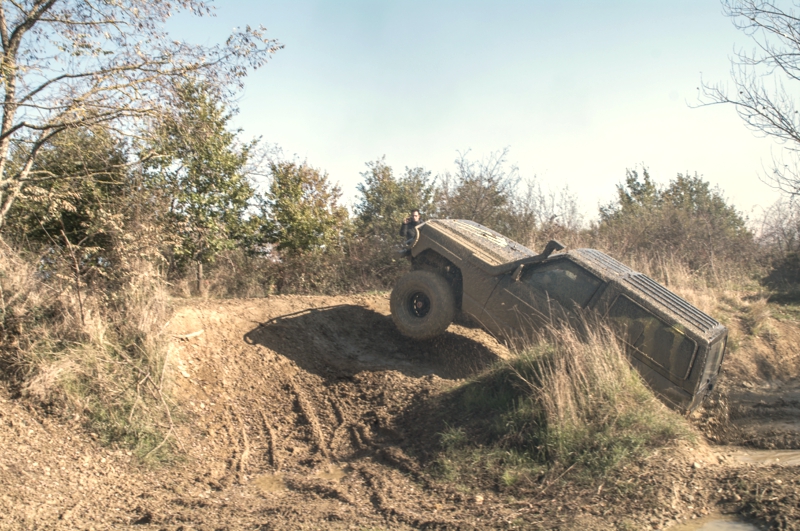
422, 304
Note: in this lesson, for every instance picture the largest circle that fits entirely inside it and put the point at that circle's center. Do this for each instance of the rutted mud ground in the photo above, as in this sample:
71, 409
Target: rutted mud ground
314, 413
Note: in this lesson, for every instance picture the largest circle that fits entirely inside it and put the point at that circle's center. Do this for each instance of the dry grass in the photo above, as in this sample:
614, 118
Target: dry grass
566, 402
703, 289
593, 406
81, 352
356, 266
756, 317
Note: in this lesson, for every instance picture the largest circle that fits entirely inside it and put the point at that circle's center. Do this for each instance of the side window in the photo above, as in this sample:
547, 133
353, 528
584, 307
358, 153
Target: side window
563, 281
649, 336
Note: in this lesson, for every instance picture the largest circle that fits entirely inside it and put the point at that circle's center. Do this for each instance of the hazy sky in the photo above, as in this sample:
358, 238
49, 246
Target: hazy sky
577, 90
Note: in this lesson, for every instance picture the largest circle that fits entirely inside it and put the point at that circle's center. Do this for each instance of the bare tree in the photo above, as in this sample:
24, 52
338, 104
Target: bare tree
779, 230
78, 63
760, 77
481, 191
492, 193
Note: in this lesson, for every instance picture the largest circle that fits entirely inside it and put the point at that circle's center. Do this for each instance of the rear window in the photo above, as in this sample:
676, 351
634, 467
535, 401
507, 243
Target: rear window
650, 337
563, 281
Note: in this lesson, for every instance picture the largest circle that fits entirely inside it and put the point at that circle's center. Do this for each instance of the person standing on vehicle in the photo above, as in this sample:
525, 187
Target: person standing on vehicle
408, 230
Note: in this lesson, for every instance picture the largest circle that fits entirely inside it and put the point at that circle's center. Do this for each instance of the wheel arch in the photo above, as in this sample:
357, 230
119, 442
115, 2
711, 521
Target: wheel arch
430, 260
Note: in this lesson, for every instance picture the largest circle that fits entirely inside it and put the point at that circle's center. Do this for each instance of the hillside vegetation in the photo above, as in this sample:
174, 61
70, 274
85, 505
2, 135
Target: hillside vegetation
88, 264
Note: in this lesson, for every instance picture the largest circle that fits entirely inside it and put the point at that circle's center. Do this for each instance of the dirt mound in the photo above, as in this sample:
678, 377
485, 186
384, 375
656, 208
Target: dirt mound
314, 413
757, 403
297, 396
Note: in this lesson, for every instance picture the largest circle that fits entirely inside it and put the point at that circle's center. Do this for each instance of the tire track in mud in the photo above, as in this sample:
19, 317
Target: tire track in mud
233, 460
320, 410
332, 411
245, 451
334, 448
307, 410
272, 442
382, 500
340, 429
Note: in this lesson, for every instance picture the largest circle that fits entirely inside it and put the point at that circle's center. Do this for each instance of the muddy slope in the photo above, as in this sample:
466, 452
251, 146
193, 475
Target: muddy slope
757, 403
314, 413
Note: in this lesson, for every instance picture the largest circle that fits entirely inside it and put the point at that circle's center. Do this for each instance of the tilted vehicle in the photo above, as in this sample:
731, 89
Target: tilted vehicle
510, 291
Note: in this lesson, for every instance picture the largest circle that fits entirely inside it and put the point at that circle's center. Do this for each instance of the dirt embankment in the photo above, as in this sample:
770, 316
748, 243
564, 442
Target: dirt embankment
314, 413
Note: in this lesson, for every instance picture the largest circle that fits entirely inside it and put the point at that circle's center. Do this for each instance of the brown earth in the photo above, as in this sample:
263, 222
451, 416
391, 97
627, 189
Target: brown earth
314, 413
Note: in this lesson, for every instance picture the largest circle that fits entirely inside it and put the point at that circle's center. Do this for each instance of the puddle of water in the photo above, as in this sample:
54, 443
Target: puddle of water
774, 424
270, 483
769, 457
332, 472
715, 522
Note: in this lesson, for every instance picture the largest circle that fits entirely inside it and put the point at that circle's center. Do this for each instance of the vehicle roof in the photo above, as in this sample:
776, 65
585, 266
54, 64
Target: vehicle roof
494, 249
648, 288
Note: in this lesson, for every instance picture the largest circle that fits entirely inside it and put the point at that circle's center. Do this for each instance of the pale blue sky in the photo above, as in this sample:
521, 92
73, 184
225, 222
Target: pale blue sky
577, 90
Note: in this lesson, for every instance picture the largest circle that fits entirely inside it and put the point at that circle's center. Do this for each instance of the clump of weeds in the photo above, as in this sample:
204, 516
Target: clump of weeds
567, 402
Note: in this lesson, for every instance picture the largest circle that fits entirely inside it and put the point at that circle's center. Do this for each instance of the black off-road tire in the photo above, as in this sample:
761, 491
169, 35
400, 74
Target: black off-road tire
422, 304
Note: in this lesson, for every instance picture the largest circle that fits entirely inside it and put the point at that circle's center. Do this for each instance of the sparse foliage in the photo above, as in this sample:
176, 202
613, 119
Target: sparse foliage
780, 227
766, 108
779, 235
480, 191
76, 64
489, 192
537, 216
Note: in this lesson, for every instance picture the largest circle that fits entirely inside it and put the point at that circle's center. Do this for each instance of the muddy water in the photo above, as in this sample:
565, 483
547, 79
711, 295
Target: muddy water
788, 425
716, 522
768, 457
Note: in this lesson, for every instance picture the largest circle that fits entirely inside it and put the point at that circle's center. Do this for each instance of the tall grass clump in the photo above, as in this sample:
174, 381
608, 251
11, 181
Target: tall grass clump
567, 401
81, 351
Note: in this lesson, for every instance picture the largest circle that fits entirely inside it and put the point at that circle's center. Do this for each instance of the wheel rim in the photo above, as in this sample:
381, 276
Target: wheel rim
419, 304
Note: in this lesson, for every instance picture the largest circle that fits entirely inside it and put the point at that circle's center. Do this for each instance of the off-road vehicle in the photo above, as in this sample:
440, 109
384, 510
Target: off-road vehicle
459, 265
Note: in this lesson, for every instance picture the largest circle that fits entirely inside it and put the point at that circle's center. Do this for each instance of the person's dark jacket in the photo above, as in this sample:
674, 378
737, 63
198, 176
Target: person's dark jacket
409, 230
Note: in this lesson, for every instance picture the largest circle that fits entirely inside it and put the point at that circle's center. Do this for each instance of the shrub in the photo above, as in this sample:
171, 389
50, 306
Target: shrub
779, 237
385, 200
686, 221
302, 210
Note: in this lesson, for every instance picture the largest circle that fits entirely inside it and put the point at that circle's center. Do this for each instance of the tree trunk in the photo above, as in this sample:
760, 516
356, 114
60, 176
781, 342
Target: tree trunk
200, 283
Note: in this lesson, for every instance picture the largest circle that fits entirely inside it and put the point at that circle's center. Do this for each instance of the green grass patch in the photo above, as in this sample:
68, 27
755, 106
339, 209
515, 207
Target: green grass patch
564, 403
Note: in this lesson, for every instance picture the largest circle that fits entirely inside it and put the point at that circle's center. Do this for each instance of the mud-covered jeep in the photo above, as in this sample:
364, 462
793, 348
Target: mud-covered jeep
510, 291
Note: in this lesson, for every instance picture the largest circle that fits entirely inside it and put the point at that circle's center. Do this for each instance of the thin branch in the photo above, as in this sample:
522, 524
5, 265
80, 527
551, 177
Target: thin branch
76, 271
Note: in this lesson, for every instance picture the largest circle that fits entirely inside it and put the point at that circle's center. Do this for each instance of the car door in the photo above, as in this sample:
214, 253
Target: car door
663, 347
527, 299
